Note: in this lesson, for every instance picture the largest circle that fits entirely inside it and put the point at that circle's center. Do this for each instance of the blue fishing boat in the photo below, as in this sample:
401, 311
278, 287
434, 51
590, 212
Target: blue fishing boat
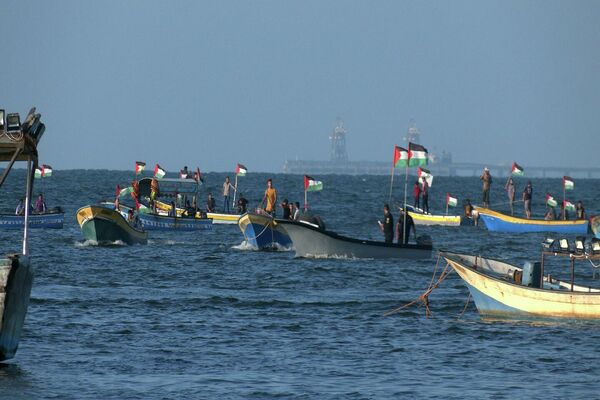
264, 232
498, 222
53, 219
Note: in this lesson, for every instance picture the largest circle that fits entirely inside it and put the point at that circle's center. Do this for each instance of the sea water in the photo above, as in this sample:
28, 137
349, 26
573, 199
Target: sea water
200, 315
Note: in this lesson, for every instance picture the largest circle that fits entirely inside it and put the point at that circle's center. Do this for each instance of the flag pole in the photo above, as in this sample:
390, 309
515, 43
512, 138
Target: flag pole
404, 238
447, 204
391, 185
564, 199
235, 190
305, 200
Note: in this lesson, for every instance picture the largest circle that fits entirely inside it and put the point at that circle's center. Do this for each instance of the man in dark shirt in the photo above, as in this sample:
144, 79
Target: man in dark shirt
410, 225
210, 204
242, 204
388, 224
286, 209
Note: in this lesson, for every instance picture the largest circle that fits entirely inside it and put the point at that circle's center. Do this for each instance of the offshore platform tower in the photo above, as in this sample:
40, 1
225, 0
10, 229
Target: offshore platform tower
338, 143
413, 135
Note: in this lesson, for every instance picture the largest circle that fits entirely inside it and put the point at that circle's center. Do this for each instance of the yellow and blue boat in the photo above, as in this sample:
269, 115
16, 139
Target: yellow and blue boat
105, 225
498, 222
263, 232
502, 290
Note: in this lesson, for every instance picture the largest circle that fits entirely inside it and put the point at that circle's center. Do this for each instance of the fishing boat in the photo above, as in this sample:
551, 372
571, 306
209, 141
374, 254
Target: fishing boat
498, 222
106, 226
264, 232
18, 142
313, 241
160, 215
502, 290
422, 218
52, 219
228, 219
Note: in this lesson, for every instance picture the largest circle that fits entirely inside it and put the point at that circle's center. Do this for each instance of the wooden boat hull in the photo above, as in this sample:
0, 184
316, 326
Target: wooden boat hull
16, 279
263, 232
498, 222
429, 219
49, 220
312, 242
154, 222
500, 298
104, 225
224, 218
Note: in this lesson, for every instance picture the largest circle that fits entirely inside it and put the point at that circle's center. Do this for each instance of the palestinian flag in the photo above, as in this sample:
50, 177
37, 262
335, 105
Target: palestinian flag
46, 171
568, 183
517, 169
126, 191
550, 200
241, 170
424, 173
38, 173
417, 155
451, 201
400, 157
311, 185
139, 167
568, 205
159, 173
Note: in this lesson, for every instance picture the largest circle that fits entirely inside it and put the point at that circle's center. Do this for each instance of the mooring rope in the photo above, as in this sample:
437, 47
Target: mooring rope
424, 297
466, 305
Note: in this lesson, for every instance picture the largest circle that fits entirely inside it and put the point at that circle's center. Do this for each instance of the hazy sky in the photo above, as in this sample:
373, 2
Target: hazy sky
256, 82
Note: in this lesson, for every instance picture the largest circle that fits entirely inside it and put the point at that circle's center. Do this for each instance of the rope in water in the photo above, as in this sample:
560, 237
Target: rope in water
424, 297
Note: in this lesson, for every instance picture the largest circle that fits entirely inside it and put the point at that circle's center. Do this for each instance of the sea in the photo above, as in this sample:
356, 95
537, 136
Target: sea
203, 315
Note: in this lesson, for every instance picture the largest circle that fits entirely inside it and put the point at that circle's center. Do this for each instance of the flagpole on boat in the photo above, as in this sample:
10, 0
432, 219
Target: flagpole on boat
234, 190
29, 189
564, 200
305, 200
404, 238
447, 198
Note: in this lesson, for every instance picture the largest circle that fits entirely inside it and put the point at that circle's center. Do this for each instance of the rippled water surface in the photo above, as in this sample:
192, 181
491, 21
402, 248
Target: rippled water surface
199, 316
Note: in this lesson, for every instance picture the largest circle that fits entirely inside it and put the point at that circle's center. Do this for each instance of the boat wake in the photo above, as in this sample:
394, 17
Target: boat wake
335, 257
93, 243
245, 246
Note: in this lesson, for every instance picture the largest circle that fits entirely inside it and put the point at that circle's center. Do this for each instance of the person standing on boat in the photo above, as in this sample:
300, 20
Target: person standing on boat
579, 210
210, 204
410, 225
227, 186
425, 195
242, 204
270, 197
387, 227
486, 177
417, 194
510, 191
286, 209
40, 204
527, 194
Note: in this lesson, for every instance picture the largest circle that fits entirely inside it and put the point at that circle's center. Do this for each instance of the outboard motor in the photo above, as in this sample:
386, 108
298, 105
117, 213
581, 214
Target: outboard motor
532, 274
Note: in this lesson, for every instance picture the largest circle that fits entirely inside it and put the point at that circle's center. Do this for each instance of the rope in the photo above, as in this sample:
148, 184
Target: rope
466, 305
424, 298
261, 232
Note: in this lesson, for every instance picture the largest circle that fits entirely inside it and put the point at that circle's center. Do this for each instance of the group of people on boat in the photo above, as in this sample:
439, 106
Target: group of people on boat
421, 194
39, 208
526, 197
402, 228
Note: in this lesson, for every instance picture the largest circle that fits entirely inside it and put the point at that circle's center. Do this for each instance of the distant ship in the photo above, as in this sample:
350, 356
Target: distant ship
338, 162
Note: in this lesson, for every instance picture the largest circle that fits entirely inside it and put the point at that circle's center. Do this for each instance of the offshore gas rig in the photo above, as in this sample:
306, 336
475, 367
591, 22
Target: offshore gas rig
338, 162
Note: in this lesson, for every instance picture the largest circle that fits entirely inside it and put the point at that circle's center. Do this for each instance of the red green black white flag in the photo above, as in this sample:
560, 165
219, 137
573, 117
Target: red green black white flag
550, 200
400, 157
139, 167
241, 170
517, 169
568, 183
159, 173
417, 155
